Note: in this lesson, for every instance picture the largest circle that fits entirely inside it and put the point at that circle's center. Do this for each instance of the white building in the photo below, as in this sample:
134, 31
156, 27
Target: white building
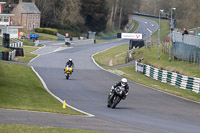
6, 24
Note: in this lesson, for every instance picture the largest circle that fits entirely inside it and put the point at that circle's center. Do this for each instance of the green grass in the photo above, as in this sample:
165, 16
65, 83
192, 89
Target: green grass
3, 48
27, 43
21, 89
17, 128
112, 56
43, 36
110, 34
150, 57
136, 25
182, 67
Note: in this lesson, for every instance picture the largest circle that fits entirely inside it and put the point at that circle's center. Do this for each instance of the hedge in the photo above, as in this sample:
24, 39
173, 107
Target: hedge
46, 30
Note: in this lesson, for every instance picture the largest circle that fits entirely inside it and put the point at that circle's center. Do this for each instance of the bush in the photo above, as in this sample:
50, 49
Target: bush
46, 30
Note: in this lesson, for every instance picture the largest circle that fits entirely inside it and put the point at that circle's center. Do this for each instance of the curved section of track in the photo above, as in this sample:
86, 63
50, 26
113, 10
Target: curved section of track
88, 87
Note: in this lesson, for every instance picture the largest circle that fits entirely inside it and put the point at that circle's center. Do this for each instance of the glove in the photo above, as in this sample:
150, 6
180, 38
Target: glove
112, 89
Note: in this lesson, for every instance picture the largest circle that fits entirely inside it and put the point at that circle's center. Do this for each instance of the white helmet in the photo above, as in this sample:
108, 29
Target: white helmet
123, 81
70, 59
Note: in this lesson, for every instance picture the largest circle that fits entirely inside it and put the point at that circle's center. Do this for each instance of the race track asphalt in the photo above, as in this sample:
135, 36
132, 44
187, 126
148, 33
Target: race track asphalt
144, 110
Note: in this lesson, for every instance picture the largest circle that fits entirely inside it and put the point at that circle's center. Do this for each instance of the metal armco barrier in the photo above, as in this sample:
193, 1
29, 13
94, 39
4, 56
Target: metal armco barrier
178, 80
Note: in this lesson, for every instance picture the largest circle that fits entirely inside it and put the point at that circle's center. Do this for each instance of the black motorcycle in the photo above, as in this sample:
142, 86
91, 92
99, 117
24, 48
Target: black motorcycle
115, 96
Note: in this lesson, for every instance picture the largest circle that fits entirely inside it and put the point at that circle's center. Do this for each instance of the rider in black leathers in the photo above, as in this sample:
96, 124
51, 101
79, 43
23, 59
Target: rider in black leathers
70, 63
124, 84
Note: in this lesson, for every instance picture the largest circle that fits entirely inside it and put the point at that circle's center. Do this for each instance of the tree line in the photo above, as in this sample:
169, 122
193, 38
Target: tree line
187, 12
107, 15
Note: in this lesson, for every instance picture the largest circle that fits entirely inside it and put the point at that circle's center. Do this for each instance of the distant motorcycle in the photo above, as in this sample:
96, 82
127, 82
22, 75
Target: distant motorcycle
115, 96
68, 71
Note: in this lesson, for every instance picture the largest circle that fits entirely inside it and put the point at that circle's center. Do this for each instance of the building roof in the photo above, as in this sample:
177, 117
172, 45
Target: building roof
6, 14
30, 7
2, 2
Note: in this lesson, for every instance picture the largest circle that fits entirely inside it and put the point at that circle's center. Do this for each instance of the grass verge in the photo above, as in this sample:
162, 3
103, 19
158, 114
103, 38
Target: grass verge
16, 128
111, 57
182, 67
136, 25
4, 49
27, 54
150, 57
43, 36
21, 89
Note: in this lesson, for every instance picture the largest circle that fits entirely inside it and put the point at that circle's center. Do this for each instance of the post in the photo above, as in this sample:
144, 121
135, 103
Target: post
194, 56
171, 35
158, 52
174, 54
145, 34
159, 27
150, 36
159, 35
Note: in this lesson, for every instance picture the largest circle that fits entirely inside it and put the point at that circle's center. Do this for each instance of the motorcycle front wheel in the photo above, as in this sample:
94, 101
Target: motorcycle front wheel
115, 102
67, 76
110, 99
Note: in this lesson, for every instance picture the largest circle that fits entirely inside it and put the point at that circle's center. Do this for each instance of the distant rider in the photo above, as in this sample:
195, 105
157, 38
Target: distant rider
122, 83
185, 32
69, 63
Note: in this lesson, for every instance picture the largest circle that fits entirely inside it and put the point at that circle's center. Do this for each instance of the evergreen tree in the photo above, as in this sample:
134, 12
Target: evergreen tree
95, 13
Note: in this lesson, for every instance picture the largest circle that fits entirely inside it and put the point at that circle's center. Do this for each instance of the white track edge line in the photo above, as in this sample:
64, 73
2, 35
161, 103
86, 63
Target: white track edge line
46, 88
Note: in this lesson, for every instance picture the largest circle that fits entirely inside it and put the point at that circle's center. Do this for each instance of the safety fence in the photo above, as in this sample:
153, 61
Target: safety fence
175, 79
186, 47
152, 16
186, 39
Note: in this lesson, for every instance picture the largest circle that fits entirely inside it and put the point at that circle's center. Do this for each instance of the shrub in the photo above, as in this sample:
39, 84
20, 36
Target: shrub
46, 30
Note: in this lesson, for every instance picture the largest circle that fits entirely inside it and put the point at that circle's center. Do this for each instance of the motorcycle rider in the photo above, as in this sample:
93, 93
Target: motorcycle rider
70, 64
122, 83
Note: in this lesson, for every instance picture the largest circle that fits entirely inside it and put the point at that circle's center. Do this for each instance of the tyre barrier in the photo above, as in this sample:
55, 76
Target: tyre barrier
175, 79
1, 56
16, 44
7, 55
19, 51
